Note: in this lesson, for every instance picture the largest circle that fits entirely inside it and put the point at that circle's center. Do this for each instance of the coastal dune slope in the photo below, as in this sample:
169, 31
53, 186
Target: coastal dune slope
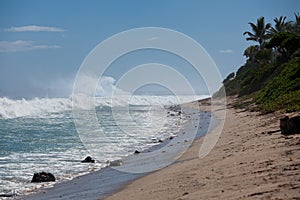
246, 163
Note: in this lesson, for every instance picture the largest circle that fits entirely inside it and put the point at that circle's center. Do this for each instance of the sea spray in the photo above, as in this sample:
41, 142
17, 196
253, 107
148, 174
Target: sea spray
42, 107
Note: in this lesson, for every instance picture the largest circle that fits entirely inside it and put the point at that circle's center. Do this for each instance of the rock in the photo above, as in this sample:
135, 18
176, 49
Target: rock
160, 141
175, 108
88, 159
8, 195
289, 126
154, 140
137, 152
42, 177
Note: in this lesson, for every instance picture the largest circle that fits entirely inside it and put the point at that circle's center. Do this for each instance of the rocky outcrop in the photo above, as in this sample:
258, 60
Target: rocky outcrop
137, 152
42, 177
174, 110
88, 159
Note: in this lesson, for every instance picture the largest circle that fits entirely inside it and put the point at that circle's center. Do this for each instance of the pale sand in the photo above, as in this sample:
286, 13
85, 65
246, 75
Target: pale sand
246, 163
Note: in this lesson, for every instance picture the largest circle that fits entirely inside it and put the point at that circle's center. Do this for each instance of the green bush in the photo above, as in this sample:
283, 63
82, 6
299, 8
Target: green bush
283, 91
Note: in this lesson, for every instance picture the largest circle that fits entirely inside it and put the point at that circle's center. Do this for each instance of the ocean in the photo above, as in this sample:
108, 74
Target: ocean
40, 135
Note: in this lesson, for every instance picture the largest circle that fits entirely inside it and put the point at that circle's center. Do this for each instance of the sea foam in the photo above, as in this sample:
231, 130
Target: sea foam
42, 107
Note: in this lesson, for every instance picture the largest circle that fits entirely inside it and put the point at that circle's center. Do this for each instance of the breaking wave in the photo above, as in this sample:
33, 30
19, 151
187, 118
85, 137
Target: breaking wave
39, 107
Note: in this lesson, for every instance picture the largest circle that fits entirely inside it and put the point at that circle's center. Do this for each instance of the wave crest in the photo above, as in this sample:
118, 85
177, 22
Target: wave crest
38, 106
44, 106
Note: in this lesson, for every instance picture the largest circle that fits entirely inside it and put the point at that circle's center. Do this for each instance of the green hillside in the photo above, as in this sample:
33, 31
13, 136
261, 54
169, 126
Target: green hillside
270, 78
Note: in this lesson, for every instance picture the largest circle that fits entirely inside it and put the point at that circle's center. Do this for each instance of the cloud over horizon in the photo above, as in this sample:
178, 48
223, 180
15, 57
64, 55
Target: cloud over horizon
227, 51
21, 45
34, 28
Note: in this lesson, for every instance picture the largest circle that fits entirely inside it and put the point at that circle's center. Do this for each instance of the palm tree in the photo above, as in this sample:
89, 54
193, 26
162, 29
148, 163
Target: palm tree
280, 25
297, 23
260, 31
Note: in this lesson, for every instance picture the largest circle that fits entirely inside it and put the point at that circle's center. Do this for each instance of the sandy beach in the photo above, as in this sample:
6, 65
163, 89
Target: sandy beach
246, 163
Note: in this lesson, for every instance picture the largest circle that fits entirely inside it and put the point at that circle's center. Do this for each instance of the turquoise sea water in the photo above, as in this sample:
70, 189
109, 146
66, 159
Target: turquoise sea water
40, 135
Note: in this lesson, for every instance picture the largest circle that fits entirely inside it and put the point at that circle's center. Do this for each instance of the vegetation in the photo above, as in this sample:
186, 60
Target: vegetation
260, 31
270, 78
283, 91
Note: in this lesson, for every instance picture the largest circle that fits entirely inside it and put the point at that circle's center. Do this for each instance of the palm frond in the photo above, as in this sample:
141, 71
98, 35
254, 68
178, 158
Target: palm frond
249, 33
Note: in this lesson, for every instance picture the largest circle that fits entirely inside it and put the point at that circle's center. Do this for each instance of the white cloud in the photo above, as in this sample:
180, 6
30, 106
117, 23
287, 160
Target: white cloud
226, 51
105, 86
34, 28
21, 45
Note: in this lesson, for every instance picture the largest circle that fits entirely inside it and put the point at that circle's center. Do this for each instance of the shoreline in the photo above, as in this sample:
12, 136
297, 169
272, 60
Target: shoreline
246, 163
106, 181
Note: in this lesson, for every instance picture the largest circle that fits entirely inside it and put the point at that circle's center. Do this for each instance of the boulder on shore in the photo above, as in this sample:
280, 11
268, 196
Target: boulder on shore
42, 177
88, 159
289, 126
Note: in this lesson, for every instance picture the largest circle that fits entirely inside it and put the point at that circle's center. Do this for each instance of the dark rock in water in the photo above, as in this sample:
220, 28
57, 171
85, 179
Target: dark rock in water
155, 140
88, 159
42, 177
137, 152
7, 195
174, 108
290, 126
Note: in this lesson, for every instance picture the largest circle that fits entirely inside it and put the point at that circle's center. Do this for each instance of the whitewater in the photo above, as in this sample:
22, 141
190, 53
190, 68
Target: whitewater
42, 107
40, 135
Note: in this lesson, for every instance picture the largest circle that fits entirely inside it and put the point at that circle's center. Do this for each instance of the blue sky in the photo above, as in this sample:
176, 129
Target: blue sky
43, 43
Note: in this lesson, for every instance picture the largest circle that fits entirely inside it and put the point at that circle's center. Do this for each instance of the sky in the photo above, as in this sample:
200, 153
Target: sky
43, 43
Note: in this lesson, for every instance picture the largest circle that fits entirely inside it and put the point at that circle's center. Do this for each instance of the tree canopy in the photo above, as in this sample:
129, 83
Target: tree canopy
260, 31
